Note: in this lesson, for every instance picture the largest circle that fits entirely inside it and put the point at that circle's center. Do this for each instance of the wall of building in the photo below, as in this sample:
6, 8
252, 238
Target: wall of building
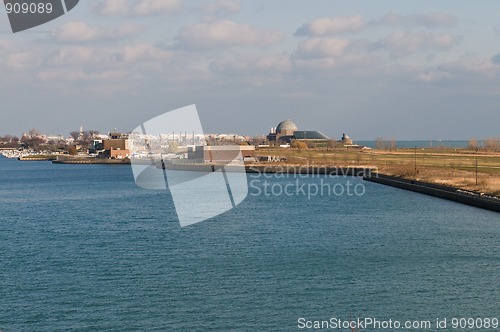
115, 144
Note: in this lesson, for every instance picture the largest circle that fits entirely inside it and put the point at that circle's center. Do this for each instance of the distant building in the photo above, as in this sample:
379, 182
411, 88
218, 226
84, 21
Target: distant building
219, 153
115, 147
287, 131
346, 140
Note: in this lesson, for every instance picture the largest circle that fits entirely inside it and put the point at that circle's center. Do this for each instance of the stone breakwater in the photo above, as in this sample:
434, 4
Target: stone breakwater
471, 198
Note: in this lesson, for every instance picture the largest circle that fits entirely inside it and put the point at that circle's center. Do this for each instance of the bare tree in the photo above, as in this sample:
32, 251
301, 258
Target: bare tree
93, 133
379, 141
32, 139
75, 135
85, 139
472, 143
393, 145
492, 143
9, 141
330, 144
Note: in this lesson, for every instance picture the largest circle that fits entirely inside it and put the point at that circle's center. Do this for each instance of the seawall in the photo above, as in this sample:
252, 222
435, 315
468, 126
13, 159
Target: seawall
93, 161
446, 192
273, 169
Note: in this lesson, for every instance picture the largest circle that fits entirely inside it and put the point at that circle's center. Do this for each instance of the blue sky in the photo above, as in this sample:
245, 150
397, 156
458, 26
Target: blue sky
393, 69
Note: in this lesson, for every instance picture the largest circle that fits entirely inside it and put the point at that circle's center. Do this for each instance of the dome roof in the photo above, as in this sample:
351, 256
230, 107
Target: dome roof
286, 126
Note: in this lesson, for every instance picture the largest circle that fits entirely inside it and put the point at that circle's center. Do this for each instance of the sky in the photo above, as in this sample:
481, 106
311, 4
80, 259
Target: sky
402, 70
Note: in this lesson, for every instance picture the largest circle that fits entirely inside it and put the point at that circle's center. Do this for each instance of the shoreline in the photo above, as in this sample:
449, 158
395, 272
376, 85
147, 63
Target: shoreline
95, 161
454, 194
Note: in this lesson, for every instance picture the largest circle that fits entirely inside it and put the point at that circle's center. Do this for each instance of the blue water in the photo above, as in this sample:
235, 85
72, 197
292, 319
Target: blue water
83, 249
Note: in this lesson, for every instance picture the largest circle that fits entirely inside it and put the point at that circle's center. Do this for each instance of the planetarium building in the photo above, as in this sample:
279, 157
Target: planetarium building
287, 131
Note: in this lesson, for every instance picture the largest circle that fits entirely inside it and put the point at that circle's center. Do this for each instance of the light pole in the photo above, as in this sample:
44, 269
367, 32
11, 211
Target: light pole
415, 163
476, 164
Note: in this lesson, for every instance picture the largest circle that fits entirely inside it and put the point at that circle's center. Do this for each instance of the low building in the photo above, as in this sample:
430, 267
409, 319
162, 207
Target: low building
220, 153
115, 147
346, 140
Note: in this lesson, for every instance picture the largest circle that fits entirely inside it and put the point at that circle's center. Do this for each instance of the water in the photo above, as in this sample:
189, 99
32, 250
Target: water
83, 249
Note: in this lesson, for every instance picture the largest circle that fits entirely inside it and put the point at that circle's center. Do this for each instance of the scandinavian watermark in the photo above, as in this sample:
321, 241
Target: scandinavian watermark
308, 182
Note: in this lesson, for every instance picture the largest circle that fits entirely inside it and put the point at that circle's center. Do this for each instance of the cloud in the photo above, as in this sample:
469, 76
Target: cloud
430, 20
221, 7
401, 43
246, 65
331, 25
76, 32
496, 59
144, 52
72, 56
321, 47
434, 20
468, 75
112, 7
136, 7
433, 76
23, 60
226, 34
80, 75
153, 7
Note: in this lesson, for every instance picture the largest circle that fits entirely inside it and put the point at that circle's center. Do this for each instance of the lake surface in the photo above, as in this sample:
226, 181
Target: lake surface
82, 248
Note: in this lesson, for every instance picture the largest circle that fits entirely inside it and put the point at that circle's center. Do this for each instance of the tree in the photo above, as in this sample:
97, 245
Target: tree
472, 143
9, 141
330, 144
172, 147
491, 143
299, 145
75, 135
379, 142
32, 139
85, 139
393, 144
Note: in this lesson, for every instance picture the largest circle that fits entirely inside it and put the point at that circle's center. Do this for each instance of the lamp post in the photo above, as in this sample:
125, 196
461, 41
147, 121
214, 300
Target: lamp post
415, 163
476, 164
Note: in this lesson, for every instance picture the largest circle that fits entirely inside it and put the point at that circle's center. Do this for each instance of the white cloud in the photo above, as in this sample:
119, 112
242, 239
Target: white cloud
80, 75
226, 34
112, 7
152, 7
434, 20
23, 60
145, 52
401, 43
321, 47
433, 76
430, 20
315, 65
331, 25
221, 7
72, 56
245, 64
136, 7
81, 32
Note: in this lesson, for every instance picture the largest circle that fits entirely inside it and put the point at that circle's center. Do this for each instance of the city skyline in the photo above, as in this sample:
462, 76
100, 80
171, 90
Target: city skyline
388, 69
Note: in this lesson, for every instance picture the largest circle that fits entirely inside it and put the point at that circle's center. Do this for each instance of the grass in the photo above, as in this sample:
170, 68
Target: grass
455, 167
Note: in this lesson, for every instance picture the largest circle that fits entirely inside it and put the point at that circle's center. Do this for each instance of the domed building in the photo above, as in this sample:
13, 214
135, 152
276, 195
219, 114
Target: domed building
286, 128
287, 131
